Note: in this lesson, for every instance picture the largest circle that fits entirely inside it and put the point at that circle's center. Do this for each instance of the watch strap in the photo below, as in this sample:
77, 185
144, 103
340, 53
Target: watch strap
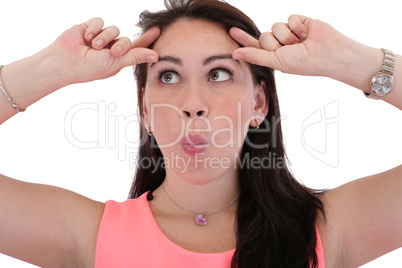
387, 67
388, 62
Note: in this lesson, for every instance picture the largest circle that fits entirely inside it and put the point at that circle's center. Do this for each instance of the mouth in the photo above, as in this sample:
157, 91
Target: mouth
194, 144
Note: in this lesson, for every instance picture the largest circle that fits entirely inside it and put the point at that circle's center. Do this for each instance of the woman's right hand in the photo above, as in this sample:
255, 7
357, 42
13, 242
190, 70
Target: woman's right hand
76, 56
90, 52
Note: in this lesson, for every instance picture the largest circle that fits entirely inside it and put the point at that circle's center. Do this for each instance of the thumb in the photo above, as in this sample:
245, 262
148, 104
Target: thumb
257, 56
137, 56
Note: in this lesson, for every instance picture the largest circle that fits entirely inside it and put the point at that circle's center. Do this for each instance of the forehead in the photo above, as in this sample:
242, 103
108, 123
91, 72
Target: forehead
189, 37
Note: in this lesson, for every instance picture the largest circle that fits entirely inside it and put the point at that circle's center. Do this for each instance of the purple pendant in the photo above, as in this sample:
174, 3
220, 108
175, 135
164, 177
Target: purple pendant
200, 220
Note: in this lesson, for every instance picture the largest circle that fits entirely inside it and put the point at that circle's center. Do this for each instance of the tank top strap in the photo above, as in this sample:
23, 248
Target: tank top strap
319, 250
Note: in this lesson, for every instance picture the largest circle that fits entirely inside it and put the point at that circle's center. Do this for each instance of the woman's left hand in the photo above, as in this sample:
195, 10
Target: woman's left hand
306, 46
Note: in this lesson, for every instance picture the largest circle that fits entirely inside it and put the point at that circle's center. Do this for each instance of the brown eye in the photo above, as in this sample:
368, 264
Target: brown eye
169, 78
219, 76
214, 76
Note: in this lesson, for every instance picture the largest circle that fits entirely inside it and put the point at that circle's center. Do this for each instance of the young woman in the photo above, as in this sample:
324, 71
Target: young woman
210, 118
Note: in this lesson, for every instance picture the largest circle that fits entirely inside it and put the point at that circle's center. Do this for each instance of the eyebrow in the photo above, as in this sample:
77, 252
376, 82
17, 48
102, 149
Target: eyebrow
205, 62
211, 59
169, 58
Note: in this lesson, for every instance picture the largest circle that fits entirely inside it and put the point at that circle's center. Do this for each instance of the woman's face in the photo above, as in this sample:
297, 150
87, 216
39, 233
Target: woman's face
199, 101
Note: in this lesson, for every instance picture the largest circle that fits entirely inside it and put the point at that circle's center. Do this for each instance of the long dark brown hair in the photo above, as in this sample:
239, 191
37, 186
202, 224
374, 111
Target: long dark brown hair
276, 214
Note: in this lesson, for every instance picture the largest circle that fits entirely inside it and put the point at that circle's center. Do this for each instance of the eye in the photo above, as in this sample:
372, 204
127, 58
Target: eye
169, 77
219, 75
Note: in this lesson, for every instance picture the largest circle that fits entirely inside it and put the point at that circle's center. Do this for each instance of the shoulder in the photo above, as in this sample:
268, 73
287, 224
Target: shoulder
120, 218
123, 223
127, 208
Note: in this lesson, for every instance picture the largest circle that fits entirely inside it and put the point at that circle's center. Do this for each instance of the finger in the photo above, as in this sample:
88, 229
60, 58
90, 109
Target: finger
147, 38
257, 56
269, 42
284, 35
244, 38
297, 26
94, 27
105, 37
137, 56
120, 46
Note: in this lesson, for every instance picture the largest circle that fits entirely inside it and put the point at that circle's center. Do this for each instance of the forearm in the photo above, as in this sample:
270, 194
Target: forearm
361, 64
28, 80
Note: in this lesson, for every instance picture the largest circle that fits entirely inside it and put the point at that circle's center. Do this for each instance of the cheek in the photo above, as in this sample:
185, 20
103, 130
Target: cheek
168, 124
241, 108
247, 115
232, 124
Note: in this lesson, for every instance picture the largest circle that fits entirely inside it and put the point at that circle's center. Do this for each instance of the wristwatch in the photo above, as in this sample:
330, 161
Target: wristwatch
383, 82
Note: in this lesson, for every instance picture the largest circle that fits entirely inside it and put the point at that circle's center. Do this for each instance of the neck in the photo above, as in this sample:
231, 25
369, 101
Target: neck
202, 195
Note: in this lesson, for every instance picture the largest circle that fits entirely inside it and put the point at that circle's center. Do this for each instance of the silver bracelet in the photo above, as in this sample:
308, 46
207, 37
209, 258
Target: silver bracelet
13, 104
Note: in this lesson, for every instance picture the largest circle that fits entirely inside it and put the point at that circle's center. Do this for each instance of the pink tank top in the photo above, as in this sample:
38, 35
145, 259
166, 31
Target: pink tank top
130, 237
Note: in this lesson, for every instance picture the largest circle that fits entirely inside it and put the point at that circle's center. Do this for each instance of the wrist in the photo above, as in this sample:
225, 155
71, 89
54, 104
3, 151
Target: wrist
51, 72
34, 77
357, 64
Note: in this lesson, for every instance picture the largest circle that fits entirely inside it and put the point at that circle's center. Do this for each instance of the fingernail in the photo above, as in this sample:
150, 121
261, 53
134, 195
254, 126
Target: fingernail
90, 36
151, 58
119, 49
303, 35
238, 56
99, 42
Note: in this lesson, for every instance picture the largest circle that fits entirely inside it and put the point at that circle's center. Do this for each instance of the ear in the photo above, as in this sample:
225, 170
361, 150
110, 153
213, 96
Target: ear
261, 105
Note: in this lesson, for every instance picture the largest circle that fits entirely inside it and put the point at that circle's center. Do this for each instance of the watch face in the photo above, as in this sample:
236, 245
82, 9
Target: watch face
382, 83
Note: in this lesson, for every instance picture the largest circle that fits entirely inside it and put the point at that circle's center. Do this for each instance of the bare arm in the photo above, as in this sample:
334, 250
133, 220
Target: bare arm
365, 217
45, 225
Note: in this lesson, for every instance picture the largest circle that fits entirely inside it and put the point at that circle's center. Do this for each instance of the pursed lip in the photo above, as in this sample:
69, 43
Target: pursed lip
194, 140
194, 144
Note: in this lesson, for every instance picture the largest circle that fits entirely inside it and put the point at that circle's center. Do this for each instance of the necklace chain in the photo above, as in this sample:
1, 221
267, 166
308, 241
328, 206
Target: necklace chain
196, 213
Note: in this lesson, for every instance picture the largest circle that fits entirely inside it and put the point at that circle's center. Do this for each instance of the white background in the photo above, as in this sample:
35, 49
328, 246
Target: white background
363, 139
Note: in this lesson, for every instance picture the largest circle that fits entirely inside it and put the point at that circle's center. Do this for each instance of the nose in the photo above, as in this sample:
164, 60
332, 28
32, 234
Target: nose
194, 104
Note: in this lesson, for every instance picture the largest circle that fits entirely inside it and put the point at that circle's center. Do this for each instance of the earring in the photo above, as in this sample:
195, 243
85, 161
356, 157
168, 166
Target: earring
150, 132
257, 125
